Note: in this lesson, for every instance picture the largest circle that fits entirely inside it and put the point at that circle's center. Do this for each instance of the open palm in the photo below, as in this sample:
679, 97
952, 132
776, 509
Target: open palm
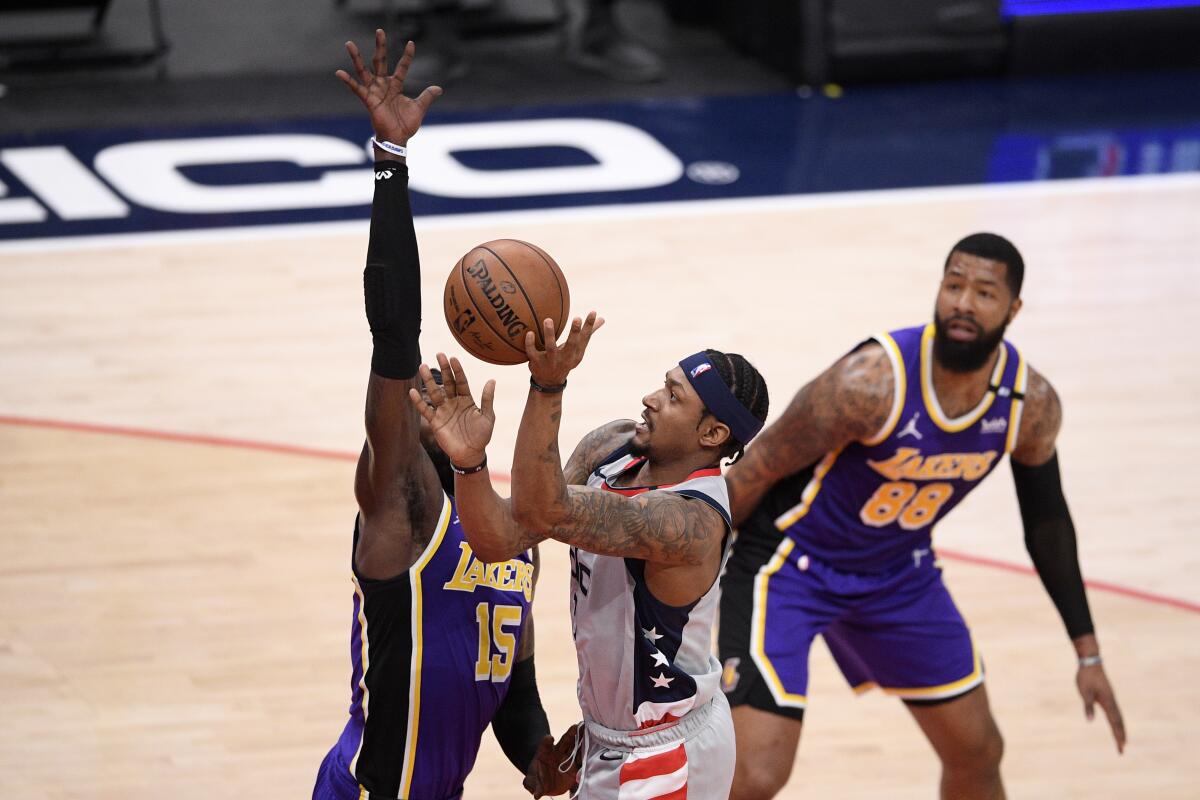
394, 117
462, 429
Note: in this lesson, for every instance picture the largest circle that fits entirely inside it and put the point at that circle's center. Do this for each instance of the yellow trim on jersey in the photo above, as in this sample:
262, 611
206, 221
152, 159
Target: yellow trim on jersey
414, 685
362, 681
899, 391
789, 517
1018, 403
930, 396
758, 628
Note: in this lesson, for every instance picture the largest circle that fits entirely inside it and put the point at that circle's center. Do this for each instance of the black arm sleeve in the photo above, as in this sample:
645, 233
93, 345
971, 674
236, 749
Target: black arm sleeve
1050, 540
392, 278
520, 723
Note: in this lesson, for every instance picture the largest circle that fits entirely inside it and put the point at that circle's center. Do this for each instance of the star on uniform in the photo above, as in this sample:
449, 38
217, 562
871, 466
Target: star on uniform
662, 681
653, 635
660, 660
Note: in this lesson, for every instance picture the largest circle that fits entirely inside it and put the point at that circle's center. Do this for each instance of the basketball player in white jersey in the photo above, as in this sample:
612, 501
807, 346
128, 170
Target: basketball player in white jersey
646, 513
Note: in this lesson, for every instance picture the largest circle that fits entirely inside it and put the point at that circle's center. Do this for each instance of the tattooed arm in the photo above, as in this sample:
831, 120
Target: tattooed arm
596, 445
848, 402
659, 527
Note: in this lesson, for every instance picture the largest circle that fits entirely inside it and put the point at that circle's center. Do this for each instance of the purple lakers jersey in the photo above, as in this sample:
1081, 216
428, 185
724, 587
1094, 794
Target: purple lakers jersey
432, 651
873, 504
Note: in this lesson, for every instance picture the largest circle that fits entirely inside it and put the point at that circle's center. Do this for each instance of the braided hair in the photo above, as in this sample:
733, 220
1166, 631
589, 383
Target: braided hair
747, 385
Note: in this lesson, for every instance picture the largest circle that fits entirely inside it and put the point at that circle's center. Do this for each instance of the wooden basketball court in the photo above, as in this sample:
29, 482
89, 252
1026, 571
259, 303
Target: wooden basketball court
180, 414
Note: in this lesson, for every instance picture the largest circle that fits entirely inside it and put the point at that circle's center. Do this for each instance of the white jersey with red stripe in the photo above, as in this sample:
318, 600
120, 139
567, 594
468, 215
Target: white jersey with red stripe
642, 663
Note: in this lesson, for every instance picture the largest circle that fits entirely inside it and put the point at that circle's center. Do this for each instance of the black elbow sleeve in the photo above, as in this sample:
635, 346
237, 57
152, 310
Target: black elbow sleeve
520, 723
1050, 540
392, 278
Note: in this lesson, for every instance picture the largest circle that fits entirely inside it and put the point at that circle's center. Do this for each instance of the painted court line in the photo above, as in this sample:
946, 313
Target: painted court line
313, 452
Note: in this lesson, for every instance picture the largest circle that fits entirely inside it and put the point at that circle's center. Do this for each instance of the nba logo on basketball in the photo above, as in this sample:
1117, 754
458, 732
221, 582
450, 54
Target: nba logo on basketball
464, 320
700, 369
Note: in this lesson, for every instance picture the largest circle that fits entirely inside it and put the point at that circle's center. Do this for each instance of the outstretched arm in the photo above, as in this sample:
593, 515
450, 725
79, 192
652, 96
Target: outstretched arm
1050, 540
659, 527
848, 402
396, 484
463, 430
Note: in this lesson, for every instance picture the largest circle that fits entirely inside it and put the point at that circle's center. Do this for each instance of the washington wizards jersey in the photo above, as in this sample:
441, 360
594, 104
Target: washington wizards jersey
641, 661
872, 505
432, 652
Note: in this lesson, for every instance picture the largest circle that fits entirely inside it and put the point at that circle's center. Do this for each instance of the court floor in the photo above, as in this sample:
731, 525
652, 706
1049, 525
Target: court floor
178, 415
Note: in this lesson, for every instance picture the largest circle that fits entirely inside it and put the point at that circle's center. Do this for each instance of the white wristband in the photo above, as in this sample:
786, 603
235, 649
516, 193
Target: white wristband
1090, 661
394, 149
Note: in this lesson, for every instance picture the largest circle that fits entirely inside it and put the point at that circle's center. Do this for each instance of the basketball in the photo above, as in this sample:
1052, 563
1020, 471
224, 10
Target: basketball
499, 291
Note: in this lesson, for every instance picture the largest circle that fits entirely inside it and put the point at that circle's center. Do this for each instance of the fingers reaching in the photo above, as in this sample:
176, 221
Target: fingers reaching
590, 326
549, 335
437, 395
449, 379
425, 99
405, 62
424, 409
379, 60
356, 59
1115, 721
485, 402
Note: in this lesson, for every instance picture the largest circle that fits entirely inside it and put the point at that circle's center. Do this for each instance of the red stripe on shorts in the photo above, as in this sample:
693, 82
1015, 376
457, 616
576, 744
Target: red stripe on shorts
655, 765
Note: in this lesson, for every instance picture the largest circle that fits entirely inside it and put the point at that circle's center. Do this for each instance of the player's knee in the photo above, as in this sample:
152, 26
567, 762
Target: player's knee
758, 779
979, 752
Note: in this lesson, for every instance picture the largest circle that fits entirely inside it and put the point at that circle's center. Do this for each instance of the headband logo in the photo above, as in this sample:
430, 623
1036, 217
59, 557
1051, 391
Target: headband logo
699, 369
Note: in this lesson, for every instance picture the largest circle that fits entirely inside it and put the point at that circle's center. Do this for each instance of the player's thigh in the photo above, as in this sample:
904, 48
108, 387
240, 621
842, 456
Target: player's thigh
962, 730
770, 614
909, 639
766, 751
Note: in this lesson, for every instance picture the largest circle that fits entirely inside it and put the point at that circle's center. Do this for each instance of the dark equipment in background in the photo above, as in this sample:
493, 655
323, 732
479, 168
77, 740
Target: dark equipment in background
852, 41
57, 34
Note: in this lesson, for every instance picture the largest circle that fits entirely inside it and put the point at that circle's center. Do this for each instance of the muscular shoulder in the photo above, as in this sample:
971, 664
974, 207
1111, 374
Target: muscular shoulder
595, 446
853, 398
1041, 420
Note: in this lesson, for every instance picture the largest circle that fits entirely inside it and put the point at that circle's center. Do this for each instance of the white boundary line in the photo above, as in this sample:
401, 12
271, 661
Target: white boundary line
671, 208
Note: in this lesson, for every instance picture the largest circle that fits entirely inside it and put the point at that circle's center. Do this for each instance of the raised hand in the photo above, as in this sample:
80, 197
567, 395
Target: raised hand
1094, 688
394, 117
461, 428
551, 366
555, 765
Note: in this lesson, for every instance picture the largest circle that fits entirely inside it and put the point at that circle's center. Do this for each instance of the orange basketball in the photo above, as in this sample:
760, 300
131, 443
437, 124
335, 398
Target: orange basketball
498, 292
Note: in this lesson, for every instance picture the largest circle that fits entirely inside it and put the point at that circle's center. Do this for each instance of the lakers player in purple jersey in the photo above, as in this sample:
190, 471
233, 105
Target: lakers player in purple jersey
836, 503
645, 511
441, 642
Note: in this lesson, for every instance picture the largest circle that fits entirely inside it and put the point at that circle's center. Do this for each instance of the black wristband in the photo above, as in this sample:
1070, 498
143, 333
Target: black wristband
537, 387
469, 470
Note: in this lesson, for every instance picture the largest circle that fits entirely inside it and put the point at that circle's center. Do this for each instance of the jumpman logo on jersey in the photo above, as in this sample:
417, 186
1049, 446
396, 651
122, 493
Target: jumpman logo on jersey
911, 428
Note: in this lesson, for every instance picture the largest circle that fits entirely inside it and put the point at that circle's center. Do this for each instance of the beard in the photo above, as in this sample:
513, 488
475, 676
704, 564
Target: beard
638, 449
964, 356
